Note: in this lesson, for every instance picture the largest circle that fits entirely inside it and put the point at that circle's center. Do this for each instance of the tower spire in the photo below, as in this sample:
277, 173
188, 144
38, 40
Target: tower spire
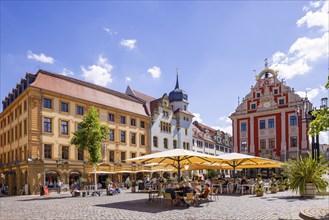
177, 83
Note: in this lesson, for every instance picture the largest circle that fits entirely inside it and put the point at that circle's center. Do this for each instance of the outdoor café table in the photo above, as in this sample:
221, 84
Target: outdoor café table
152, 194
251, 186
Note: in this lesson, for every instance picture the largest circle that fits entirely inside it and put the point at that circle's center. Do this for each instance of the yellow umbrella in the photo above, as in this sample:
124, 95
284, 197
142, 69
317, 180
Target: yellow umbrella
241, 161
176, 158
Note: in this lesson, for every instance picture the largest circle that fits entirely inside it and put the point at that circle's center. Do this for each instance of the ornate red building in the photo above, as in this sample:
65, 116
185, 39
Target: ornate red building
268, 121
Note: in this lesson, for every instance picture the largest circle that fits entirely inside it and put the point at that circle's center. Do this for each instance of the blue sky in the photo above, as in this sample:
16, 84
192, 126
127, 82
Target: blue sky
216, 46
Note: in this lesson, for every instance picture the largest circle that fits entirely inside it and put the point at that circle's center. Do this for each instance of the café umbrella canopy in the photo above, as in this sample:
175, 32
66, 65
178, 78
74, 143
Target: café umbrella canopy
243, 161
176, 158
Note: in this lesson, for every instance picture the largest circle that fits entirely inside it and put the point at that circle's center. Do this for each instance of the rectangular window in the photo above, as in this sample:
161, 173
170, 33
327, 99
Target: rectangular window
253, 106
65, 152
46, 125
111, 159
122, 119
293, 141
25, 127
275, 91
47, 151
293, 120
123, 157
165, 143
271, 143
155, 141
133, 122
186, 131
64, 127
133, 155
111, 135
123, 136
142, 124
262, 144
271, 123
143, 139
79, 110
243, 126
79, 127
25, 105
281, 101
244, 146
111, 117
64, 107
257, 94
133, 138
262, 124
80, 154
47, 103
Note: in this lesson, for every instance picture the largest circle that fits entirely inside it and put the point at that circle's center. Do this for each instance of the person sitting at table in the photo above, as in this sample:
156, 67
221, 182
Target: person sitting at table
204, 194
244, 181
196, 188
188, 189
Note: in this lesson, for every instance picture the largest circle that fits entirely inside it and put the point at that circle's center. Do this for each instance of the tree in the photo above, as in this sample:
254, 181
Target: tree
321, 119
90, 136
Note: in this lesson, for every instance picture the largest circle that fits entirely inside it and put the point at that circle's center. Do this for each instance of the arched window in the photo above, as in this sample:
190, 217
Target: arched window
175, 144
165, 143
155, 141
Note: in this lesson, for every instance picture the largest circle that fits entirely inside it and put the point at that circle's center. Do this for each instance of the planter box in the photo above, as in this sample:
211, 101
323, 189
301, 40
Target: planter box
274, 190
260, 193
310, 190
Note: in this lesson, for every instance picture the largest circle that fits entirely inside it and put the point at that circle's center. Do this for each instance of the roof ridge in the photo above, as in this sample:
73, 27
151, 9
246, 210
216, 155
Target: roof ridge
90, 85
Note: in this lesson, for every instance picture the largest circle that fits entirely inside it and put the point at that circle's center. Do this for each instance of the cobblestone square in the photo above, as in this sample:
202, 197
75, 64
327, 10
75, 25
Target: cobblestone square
127, 205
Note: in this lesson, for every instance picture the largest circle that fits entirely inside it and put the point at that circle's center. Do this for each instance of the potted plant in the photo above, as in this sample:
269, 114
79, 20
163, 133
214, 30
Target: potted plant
282, 186
259, 190
133, 186
274, 186
305, 175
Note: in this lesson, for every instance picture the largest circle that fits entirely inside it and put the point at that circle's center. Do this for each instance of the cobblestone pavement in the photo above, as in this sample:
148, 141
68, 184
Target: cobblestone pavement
127, 205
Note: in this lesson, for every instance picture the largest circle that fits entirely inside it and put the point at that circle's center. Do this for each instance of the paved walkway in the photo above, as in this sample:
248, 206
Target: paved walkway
127, 205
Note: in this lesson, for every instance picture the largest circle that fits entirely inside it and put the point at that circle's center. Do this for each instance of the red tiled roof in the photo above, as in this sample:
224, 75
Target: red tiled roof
87, 91
143, 96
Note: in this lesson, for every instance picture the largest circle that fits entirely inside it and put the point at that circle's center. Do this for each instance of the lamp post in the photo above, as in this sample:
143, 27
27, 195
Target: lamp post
307, 117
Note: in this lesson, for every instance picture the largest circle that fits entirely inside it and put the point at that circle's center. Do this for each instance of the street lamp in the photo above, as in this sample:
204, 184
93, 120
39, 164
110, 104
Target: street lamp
308, 117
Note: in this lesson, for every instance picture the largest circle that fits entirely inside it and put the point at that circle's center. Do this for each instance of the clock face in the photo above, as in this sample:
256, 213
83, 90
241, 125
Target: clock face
267, 104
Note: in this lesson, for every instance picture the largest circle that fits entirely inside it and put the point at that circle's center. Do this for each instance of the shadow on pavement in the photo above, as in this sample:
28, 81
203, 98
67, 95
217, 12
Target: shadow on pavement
140, 205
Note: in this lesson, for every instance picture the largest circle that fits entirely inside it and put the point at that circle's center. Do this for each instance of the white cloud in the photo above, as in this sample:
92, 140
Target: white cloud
318, 18
130, 44
40, 57
99, 73
109, 31
128, 79
197, 117
227, 129
154, 71
225, 119
305, 51
311, 93
67, 72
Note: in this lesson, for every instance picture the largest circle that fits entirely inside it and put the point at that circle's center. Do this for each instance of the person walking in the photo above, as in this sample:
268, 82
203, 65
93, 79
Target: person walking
59, 186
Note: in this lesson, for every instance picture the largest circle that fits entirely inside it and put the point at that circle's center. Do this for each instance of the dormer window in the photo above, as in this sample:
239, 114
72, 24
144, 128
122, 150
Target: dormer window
257, 94
275, 91
253, 106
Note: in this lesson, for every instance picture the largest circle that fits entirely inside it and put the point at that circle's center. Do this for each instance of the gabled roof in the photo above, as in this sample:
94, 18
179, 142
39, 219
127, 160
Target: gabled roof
87, 91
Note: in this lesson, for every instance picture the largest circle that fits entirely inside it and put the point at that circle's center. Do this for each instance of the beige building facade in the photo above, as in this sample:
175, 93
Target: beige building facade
37, 122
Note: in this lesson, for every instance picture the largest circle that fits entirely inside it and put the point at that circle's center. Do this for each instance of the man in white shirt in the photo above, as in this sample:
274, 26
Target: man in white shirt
59, 186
